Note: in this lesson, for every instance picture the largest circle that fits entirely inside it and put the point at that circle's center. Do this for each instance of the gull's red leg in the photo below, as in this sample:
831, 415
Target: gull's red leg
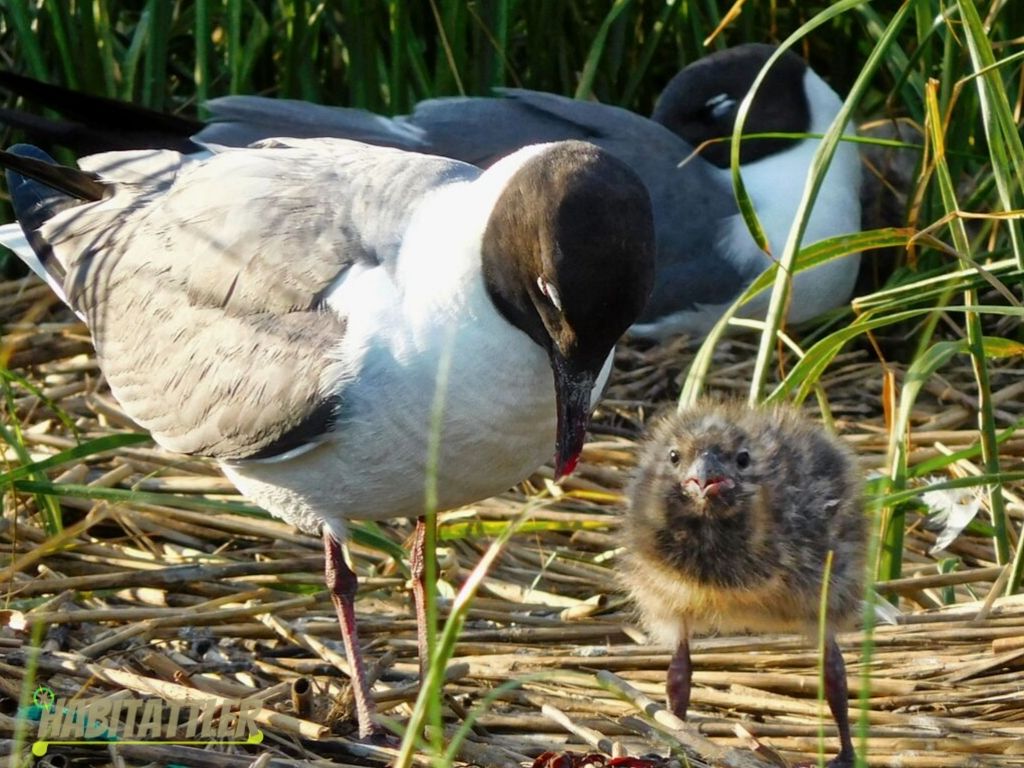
342, 583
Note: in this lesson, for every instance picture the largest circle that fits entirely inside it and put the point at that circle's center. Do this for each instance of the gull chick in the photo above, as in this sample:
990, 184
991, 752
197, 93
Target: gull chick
733, 512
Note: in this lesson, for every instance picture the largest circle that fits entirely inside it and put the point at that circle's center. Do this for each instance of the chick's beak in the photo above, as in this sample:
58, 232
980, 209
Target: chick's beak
572, 397
708, 474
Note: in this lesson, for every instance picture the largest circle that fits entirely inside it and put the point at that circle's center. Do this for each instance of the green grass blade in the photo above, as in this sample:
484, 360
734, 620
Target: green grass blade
201, 72
235, 51
943, 461
641, 71
61, 21
360, 533
797, 382
819, 166
98, 48
823, 639
586, 85
11, 434
1004, 142
890, 558
79, 452
158, 15
895, 498
133, 56
449, 68
811, 256
431, 686
31, 50
975, 339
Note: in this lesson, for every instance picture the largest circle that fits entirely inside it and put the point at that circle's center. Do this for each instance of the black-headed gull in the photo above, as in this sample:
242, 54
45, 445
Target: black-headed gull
290, 308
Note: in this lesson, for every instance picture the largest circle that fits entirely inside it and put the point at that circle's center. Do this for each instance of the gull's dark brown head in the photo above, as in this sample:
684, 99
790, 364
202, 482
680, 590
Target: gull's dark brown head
568, 258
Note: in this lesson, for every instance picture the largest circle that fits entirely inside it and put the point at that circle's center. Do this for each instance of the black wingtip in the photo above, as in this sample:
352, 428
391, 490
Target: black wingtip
100, 124
25, 160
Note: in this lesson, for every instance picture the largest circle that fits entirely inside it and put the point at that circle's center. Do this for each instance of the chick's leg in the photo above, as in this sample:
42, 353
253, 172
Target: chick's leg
677, 685
837, 697
342, 583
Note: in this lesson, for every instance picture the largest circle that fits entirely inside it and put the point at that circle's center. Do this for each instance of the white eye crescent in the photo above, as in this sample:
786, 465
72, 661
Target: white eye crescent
549, 290
720, 105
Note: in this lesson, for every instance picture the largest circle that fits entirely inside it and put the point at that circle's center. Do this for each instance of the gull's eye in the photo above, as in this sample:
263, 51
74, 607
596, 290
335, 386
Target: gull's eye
719, 106
673, 456
743, 459
550, 292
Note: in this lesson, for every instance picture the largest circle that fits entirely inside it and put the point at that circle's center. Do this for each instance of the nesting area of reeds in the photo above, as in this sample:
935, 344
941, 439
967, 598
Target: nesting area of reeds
159, 585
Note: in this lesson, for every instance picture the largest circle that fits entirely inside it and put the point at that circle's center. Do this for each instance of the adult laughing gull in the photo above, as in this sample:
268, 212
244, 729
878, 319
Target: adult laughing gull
288, 309
706, 255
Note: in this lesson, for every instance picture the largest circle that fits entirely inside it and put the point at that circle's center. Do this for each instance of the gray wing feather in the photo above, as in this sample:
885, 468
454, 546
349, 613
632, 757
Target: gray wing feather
483, 130
204, 292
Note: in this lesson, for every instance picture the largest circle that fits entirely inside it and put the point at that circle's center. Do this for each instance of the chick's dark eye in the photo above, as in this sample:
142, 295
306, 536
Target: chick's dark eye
673, 456
743, 459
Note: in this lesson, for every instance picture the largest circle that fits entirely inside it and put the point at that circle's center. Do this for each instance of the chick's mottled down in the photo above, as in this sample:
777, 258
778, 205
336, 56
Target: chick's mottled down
733, 513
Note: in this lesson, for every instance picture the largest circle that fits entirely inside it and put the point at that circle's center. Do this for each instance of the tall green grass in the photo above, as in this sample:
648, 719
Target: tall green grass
952, 68
381, 54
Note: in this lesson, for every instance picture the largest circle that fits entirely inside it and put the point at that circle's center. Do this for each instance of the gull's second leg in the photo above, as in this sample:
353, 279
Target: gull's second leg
418, 570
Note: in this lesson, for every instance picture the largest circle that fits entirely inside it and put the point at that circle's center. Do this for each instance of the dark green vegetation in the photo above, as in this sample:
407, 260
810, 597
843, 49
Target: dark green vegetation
387, 55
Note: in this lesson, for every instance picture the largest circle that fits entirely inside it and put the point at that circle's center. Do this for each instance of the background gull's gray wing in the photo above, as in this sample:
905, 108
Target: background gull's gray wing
483, 130
692, 200
238, 121
204, 292
472, 129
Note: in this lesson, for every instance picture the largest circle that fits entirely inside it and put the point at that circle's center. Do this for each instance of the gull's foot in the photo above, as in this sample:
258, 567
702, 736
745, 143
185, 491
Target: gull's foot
382, 738
842, 760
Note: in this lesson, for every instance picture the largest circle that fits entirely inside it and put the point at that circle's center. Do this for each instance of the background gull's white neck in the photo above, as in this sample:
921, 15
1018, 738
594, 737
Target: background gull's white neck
776, 184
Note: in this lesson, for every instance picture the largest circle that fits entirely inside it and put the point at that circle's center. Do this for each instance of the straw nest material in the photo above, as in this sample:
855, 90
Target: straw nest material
147, 598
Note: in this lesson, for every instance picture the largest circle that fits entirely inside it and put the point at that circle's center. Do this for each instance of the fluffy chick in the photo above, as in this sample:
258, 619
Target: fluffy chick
733, 511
